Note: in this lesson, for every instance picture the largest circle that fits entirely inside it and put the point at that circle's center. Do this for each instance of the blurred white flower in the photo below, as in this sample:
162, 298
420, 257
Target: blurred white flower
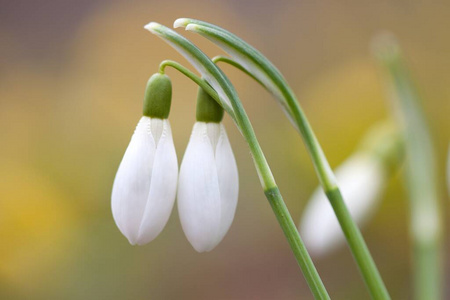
145, 185
208, 186
361, 180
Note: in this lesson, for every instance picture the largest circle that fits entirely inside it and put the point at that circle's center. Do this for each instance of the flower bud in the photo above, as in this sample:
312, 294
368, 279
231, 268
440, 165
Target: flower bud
208, 185
145, 185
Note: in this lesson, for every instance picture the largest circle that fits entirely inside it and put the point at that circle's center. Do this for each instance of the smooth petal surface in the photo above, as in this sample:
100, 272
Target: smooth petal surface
228, 181
361, 180
198, 191
140, 204
208, 186
163, 187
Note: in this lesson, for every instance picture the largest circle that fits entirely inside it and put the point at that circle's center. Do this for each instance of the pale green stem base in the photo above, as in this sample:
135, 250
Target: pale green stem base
271, 190
428, 272
421, 173
354, 237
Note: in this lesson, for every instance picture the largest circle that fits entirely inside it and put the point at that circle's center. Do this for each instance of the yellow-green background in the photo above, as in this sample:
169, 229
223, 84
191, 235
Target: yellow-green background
72, 78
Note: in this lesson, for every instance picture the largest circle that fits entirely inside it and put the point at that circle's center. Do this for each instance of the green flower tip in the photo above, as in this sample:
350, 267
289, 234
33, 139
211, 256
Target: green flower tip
208, 110
158, 97
181, 22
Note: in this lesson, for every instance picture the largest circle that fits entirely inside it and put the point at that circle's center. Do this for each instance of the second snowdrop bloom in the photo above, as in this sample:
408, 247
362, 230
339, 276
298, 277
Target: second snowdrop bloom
361, 180
145, 185
208, 181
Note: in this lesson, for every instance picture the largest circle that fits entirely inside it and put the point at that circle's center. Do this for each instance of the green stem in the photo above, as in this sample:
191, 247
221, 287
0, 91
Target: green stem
421, 175
266, 177
319, 160
359, 248
199, 81
272, 193
352, 233
355, 240
276, 201
298, 247
220, 58
428, 272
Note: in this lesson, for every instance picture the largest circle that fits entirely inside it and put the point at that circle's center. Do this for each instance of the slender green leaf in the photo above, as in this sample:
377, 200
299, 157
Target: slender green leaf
421, 172
228, 96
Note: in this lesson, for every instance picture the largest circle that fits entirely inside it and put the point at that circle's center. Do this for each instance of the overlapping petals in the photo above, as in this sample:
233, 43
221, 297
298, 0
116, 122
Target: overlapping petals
145, 185
208, 186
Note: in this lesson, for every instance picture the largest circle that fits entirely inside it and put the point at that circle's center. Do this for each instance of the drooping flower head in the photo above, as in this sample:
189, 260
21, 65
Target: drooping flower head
208, 183
361, 179
145, 185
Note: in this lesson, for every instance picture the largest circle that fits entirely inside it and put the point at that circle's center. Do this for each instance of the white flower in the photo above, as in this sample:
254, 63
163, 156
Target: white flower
208, 186
145, 185
361, 180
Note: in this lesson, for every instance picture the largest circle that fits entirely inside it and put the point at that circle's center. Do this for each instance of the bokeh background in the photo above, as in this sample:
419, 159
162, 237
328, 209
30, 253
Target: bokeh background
72, 78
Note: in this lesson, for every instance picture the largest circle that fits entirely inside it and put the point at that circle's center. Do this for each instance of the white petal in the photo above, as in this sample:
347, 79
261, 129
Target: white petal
228, 181
132, 183
361, 180
163, 185
199, 202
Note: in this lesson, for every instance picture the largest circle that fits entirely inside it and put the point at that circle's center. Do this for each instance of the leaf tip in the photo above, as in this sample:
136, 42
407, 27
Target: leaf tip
181, 22
192, 27
152, 26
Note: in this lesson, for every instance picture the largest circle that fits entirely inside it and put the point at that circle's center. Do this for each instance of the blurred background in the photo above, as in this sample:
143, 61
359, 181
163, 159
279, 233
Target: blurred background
72, 79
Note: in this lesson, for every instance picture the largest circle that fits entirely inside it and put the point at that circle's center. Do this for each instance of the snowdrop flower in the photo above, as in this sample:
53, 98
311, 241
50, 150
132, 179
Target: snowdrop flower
361, 179
208, 182
145, 185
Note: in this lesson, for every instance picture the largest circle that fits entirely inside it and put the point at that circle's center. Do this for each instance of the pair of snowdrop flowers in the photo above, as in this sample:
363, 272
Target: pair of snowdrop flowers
147, 181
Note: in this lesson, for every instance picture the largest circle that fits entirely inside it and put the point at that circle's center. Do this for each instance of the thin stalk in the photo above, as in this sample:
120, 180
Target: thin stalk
296, 114
210, 70
230, 61
355, 240
420, 176
268, 75
199, 81
359, 249
298, 247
